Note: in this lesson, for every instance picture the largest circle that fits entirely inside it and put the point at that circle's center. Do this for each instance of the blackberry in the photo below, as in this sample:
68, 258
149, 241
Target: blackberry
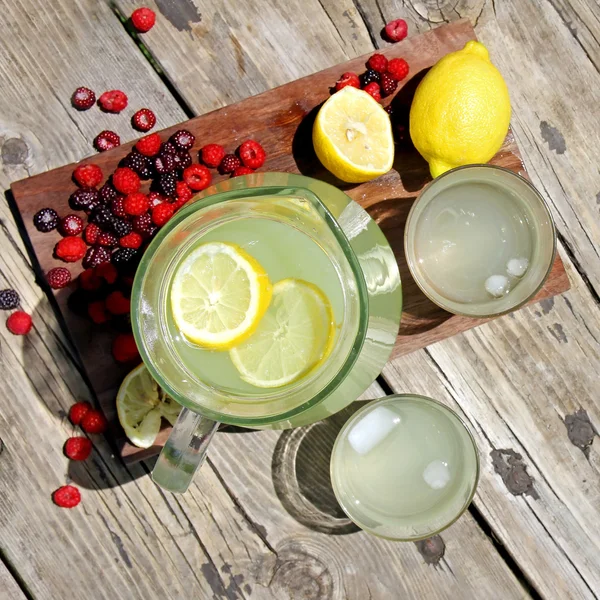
124, 258
182, 139
388, 84
46, 220
107, 193
183, 159
9, 299
139, 163
96, 255
167, 184
121, 227
117, 206
83, 198
369, 76
164, 163
142, 224
101, 216
168, 148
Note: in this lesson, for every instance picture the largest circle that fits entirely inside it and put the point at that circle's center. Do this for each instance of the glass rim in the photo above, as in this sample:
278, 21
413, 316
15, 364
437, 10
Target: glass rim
376, 402
409, 256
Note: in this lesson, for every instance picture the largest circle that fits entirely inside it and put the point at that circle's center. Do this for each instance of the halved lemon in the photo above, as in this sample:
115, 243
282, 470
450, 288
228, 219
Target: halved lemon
352, 136
140, 406
294, 336
219, 295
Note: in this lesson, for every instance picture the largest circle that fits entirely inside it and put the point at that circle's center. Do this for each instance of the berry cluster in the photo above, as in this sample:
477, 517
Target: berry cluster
19, 322
249, 156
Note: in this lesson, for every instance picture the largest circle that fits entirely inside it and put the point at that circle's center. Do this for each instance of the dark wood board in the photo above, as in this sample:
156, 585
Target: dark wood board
281, 119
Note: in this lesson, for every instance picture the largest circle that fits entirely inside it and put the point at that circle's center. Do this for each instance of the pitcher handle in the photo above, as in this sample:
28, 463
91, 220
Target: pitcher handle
184, 451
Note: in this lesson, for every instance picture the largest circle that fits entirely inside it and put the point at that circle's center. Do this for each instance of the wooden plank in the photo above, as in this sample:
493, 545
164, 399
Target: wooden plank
10, 588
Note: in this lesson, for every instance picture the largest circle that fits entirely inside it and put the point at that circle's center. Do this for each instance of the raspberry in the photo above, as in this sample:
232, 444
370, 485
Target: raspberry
94, 422
131, 240
106, 271
121, 227
107, 193
70, 225
396, 31
229, 163
163, 163
84, 198
70, 249
143, 224
167, 184
88, 175
388, 84
182, 159
107, 140
113, 101
149, 145
252, 154
66, 496
126, 180
347, 79
378, 62
398, 68
124, 257
136, 204
95, 256
19, 323
89, 281
97, 312
116, 303
90, 234
45, 220
83, 98
9, 299
182, 191
183, 139
212, 155
117, 207
77, 411
139, 163
197, 177
143, 19
180, 201
78, 448
242, 171
162, 213
107, 239
58, 278
154, 198
124, 348
143, 120
101, 216
373, 90
369, 76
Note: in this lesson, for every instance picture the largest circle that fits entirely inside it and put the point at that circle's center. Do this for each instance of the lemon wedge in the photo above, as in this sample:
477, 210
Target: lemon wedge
219, 295
352, 136
295, 335
140, 406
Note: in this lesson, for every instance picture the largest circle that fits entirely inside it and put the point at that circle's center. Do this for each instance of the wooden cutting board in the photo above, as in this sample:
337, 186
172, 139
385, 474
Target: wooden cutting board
281, 120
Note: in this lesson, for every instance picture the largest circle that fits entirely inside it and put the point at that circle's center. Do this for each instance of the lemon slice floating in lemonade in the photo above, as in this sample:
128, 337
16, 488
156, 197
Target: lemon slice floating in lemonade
219, 295
352, 136
140, 406
295, 335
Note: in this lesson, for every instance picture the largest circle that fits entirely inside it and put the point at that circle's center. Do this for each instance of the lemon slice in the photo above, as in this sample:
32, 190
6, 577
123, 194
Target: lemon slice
140, 406
352, 136
219, 295
295, 335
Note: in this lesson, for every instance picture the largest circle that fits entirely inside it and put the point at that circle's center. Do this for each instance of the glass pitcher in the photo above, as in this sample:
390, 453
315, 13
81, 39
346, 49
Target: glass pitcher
367, 319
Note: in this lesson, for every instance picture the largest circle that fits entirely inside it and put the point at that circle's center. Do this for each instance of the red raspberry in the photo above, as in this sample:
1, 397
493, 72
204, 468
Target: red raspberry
58, 278
78, 448
149, 145
66, 496
89, 281
116, 303
83, 98
388, 84
107, 239
373, 90
182, 191
124, 348
143, 120
107, 140
94, 421
378, 62
91, 233
131, 240
117, 207
97, 312
197, 177
212, 155
252, 154
126, 181
19, 323
156, 198
136, 204
88, 175
78, 410
396, 31
106, 271
398, 68
143, 19
162, 213
347, 79
113, 101
229, 163
70, 249
179, 203
242, 171
70, 225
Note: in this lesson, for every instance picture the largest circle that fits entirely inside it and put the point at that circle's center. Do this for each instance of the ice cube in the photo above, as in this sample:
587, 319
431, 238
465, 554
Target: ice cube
516, 267
497, 285
372, 429
436, 474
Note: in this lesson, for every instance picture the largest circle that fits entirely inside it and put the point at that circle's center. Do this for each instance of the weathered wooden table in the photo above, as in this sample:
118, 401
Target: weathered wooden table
528, 384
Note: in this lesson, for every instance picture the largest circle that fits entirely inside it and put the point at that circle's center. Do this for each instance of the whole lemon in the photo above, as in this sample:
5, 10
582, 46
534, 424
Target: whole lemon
461, 110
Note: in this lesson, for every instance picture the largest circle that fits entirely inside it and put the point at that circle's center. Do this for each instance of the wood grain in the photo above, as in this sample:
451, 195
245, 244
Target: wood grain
10, 588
